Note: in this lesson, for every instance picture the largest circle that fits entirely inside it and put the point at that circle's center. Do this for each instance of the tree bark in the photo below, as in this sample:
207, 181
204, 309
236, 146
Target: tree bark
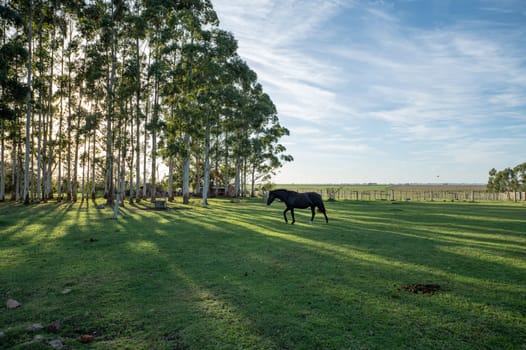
186, 170
206, 175
28, 102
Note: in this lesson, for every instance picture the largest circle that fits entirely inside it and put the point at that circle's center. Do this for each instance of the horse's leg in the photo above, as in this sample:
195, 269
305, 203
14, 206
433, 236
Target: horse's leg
313, 211
292, 213
322, 209
285, 215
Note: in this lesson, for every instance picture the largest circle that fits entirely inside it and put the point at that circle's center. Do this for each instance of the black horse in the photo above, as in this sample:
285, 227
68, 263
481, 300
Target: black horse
298, 200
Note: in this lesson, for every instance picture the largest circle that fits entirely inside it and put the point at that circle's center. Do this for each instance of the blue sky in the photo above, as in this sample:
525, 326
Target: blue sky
390, 91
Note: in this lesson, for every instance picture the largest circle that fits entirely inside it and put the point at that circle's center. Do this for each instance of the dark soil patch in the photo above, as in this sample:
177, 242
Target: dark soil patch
422, 288
149, 207
164, 209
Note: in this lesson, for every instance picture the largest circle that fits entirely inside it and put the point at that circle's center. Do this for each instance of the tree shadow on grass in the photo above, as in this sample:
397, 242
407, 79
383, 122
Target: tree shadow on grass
235, 276
466, 271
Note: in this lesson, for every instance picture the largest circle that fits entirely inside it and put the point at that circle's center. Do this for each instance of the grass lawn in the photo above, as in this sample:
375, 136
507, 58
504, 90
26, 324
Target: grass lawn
235, 276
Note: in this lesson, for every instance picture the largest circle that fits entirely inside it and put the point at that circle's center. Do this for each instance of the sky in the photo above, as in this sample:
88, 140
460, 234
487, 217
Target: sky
406, 91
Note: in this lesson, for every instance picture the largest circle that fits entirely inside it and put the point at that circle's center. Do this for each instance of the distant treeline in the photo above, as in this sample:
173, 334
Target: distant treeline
508, 180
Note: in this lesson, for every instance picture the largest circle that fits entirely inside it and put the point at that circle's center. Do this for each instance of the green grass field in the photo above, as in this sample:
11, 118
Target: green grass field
235, 276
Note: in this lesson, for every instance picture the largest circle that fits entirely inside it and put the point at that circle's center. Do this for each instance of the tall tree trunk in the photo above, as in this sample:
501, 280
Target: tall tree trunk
198, 172
123, 153
14, 168
2, 143
244, 191
206, 175
93, 183
132, 157
83, 190
69, 190
147, 115
145, 150
130, 169
227, 170
2, 162
39, 131
48, 188
138, 124
170, 178
109, 120
216, 166
237, 179
186, 170
28, 112
20, 185
253, 182
60, 135
77, 145
154, 139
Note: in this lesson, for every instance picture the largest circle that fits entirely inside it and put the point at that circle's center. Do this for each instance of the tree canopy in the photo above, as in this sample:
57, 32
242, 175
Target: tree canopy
508, 179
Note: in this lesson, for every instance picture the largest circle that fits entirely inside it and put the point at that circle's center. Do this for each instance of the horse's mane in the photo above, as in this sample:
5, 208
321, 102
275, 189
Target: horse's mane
283, 190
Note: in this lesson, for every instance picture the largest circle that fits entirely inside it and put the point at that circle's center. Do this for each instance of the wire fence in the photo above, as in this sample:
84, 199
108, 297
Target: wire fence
417, 195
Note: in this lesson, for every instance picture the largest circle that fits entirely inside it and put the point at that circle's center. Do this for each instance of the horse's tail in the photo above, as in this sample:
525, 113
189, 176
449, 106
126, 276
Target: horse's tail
321, 207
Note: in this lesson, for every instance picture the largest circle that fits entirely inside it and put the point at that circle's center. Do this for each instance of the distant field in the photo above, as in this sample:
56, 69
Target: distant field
380, 187
332, 187
432, 187
379, 275
418, 192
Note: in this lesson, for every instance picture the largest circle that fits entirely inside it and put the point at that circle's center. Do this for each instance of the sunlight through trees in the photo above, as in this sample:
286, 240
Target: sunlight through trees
135, 99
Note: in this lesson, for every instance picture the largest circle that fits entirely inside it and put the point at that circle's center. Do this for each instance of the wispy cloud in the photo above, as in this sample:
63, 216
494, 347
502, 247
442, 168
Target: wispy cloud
438, 75
270, 34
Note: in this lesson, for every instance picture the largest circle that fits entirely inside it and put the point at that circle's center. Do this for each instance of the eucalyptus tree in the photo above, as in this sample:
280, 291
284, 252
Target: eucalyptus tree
136, 27
266, 154
193, 16
52, 142
117, 9
29, 30
520, 171
185, 109
62, 26
503, 180
211, 78
156, 13
510, 180
71, 95
255, 130
244, 119
43, 82
13, 54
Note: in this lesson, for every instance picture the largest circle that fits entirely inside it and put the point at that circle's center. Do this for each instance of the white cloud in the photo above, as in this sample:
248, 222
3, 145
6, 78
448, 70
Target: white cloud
306, 130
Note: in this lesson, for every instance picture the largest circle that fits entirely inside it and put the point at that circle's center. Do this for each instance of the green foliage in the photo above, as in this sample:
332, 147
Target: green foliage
508, 179
234, 276
13, 92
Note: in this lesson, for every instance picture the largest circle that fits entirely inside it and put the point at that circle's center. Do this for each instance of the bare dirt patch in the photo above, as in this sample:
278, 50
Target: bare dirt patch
422, 288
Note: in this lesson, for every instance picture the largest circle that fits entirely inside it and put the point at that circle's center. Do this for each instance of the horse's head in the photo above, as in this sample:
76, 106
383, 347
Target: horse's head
271, 197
